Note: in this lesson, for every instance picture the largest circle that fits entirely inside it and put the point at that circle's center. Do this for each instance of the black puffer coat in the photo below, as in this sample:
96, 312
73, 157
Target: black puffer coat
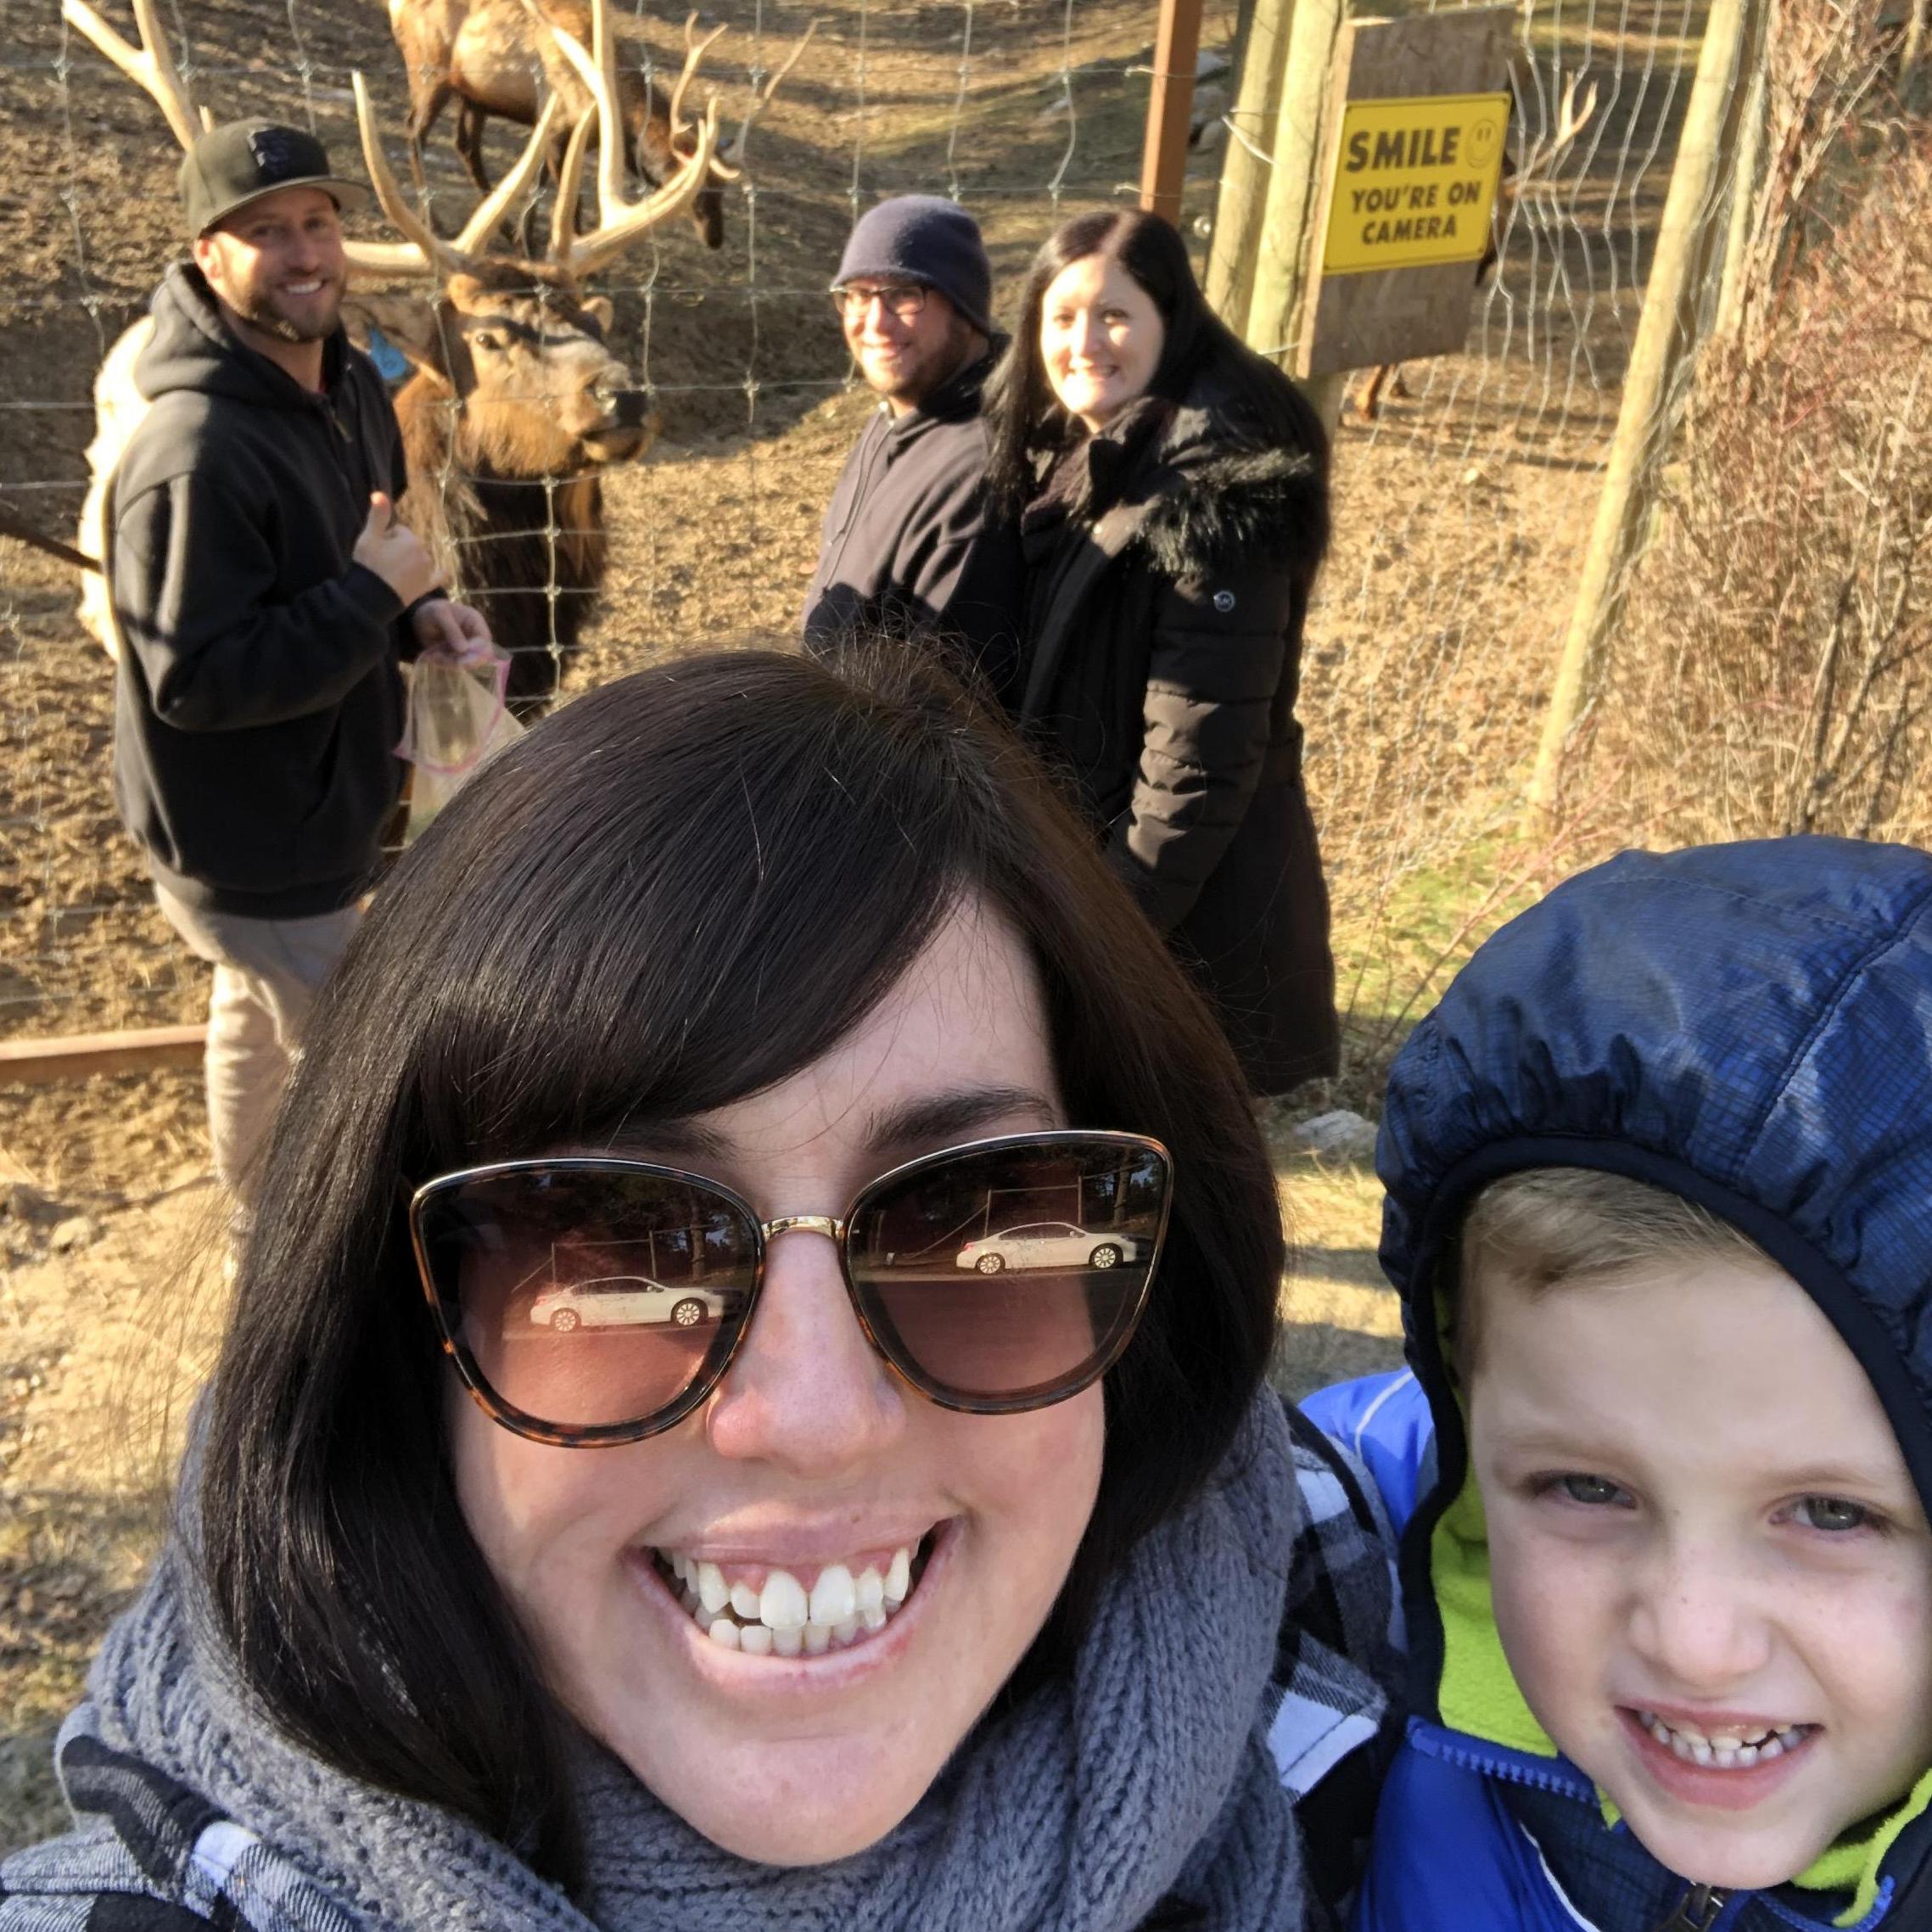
1164, 619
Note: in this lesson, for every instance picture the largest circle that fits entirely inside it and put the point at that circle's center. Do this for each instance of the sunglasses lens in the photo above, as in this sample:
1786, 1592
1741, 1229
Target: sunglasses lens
588, 1298
1012, 1275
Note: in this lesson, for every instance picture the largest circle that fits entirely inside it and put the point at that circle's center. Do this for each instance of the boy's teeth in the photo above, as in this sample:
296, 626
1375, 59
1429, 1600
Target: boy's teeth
1725, 1750
782, 1618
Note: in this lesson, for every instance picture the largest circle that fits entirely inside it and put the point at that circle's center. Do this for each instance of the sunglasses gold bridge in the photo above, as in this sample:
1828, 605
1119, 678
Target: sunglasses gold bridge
825, 1224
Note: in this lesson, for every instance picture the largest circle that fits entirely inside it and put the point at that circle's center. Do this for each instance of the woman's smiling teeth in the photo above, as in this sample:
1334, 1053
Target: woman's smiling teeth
773, 1612
1737, 1749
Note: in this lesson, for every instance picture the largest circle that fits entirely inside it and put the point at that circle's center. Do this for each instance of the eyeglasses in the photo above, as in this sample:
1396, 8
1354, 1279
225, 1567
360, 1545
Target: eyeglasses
589, 1301
902, 300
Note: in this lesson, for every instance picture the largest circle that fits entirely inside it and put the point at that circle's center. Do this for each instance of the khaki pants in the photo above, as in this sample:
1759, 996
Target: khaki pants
267, 972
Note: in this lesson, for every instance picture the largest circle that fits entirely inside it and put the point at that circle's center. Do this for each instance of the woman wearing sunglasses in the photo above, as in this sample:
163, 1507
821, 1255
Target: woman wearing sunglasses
744, 1404
1172, 491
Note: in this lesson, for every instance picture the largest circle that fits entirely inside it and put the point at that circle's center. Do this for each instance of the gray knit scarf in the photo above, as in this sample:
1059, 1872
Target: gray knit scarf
1144, 1779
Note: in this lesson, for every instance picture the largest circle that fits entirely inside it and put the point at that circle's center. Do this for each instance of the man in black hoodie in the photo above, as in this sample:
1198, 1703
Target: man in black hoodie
263, 594
906, 548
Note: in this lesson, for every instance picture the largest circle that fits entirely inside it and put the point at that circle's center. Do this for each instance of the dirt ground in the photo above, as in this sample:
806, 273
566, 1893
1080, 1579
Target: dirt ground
1458, 516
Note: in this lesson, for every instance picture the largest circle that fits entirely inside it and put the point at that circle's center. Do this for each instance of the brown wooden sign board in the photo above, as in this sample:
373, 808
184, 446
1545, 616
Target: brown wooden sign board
1412, 131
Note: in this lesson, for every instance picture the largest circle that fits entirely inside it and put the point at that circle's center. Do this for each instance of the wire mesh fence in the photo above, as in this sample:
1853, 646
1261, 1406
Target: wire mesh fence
1466, 488
1465, 485
1023, 110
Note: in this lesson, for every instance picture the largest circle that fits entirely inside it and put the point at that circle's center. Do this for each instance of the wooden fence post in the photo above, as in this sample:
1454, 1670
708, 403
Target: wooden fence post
1294, 190
1163, 160
1245, 172
1666, 336
1751, 130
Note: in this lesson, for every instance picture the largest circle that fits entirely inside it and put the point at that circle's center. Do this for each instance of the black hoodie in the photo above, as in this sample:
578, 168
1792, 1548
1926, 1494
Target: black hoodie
259, 701
907, 550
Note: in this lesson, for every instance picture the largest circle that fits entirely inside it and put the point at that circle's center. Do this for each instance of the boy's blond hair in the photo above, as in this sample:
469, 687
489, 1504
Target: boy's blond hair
1544, 1226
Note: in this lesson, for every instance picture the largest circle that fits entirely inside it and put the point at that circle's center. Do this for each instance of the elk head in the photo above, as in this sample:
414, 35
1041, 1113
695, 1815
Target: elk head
516, 360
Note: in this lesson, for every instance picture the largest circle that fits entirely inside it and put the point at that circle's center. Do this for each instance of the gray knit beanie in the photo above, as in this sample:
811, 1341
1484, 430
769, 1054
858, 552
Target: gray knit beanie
924, 237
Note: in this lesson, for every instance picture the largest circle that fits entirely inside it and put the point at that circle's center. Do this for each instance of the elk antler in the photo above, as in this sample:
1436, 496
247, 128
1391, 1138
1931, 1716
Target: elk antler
619, 222
730, 164
150, 66
694, 51
424, 251
1571, 121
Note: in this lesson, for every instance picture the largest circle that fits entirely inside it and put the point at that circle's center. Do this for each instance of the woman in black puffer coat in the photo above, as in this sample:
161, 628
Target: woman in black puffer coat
1172, 491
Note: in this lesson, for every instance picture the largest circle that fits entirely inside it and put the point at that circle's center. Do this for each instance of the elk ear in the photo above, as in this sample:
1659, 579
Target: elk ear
599, 309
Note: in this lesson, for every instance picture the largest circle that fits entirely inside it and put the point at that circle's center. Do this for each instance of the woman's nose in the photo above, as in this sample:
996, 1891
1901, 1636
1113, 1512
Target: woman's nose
1697, 1621
807, 1390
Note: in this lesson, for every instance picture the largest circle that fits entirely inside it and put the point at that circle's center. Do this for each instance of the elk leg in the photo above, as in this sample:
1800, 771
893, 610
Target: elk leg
424, 107
471, 119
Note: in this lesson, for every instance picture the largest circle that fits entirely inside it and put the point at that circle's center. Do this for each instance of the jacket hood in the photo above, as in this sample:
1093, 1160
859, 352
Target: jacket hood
1224, 490
1749, 1025
192, 349
1202, 483
1219, 505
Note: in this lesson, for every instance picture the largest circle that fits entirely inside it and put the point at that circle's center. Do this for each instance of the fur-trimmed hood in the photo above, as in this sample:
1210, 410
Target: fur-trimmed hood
1214, 504
1194, 486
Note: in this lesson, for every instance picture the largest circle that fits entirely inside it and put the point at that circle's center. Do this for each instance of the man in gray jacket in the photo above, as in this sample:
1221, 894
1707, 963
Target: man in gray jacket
906, 548
263, 594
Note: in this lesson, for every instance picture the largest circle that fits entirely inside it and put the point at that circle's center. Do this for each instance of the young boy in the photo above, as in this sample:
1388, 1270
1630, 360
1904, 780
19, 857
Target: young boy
1659, 1208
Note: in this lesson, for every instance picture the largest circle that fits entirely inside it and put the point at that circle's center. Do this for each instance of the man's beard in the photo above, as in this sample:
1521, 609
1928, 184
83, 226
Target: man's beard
946, 360
261, 315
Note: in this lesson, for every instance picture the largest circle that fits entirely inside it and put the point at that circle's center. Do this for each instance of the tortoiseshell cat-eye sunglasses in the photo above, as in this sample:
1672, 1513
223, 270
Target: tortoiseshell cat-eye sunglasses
592, 1300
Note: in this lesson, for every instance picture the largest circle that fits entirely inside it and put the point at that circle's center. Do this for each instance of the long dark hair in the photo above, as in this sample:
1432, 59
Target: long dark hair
676, 892
1025, 417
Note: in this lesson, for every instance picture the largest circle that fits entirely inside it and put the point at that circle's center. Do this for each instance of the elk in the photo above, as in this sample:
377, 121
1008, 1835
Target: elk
500, 57
1569, 122
515, 406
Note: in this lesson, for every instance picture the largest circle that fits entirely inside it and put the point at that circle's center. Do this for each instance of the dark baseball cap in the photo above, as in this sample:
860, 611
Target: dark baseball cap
240, 161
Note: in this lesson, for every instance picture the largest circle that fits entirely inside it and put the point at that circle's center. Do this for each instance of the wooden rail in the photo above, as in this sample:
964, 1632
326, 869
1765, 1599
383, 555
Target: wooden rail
37, 1063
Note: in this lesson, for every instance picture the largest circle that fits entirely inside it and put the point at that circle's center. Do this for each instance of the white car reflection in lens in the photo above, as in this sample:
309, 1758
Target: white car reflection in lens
1046, 1244
624, 1301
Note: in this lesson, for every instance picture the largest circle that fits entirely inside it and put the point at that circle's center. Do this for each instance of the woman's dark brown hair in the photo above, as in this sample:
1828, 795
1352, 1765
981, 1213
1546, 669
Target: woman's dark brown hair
679, 890
1025, 416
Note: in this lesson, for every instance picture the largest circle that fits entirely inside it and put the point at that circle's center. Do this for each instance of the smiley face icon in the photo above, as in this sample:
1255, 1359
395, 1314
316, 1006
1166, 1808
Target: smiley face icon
1485, 137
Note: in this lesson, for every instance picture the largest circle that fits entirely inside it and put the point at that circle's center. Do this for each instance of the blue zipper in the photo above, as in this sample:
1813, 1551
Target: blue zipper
1562, 1778
1497, 1760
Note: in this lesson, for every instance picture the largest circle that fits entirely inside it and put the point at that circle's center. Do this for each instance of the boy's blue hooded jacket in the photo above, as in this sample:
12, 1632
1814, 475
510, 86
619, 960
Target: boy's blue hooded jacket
1750, 1027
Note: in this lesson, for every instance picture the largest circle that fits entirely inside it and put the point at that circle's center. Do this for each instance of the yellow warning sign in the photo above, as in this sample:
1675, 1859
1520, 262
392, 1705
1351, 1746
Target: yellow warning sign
1414, 182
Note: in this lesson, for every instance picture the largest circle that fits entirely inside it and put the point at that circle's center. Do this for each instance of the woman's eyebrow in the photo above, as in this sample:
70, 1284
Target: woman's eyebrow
934, 1119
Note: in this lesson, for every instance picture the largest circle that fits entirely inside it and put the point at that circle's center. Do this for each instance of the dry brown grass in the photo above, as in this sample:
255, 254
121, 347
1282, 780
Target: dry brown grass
1775, 671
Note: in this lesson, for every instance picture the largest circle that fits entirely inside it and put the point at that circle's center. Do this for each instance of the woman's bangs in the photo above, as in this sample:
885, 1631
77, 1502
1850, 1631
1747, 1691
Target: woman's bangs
689, 957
